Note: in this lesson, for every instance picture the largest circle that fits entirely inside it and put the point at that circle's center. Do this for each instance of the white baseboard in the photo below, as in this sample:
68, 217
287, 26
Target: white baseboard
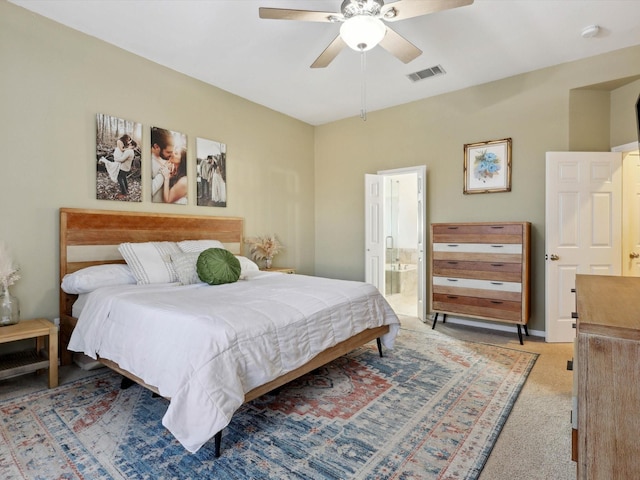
488, 325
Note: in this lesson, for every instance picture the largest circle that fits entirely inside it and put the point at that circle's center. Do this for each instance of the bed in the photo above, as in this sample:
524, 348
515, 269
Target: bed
189, 334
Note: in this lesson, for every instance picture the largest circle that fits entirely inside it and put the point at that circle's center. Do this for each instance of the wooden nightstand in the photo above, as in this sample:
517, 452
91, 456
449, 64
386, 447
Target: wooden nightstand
279, 269
14, 364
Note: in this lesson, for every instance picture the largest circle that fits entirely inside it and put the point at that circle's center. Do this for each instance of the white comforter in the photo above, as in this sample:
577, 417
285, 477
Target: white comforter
206, 346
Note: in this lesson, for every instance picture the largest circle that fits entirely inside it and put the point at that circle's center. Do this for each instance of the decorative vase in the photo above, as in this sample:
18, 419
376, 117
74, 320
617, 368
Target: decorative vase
268, 262
9, 309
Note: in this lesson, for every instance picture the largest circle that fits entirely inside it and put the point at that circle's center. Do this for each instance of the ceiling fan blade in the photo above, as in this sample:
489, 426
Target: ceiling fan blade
305, 15
403, 9
329, 53
399, 46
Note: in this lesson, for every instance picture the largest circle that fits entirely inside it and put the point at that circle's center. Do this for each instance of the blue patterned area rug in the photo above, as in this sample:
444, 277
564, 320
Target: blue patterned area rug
433, 407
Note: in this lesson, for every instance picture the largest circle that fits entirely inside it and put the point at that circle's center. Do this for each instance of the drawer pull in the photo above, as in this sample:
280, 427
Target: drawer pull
496, 283
452, 263
497, 264
497, 302
497, 246
453, 245
452, 279
452, 297
452, 228
497, 226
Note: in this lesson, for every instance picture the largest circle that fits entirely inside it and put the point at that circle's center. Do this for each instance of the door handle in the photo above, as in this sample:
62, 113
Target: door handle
554, 257
634, 255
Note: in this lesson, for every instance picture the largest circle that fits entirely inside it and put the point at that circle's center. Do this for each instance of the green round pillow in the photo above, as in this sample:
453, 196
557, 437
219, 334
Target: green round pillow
216, 266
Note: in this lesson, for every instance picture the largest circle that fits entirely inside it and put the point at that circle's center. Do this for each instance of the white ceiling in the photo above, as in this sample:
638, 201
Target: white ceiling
225, 43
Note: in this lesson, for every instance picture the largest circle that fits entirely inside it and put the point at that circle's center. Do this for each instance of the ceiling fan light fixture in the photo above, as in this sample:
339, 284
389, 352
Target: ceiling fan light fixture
362, 32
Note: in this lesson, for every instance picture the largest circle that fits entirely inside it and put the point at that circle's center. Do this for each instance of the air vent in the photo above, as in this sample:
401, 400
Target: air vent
426, 73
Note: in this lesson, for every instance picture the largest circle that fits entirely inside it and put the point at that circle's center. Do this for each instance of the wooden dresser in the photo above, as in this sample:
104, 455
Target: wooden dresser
607, 371
481, 270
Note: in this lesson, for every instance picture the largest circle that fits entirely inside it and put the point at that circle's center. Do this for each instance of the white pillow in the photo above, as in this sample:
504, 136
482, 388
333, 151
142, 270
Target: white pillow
88, 279
247, 265
185, 263
150, 262
199, 245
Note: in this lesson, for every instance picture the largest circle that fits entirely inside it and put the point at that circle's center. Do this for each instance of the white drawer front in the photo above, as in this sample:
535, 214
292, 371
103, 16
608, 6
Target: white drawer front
479, 284
507, 248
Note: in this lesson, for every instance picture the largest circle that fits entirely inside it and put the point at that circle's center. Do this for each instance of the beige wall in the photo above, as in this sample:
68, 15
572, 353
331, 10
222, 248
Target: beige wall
624, 126
305, 184
54, 80
589, 120
533, 109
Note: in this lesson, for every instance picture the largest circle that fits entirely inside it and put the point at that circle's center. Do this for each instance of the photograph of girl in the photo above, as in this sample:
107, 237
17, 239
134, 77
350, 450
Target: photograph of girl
118, 158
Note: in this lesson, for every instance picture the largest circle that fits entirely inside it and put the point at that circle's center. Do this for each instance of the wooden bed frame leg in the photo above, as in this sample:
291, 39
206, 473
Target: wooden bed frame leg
126, 383
217, 440
379, 346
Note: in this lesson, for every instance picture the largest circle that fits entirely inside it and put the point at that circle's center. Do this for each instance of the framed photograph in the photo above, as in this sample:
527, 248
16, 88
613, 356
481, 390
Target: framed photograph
118, 158
169, 180
487, 166
211, 173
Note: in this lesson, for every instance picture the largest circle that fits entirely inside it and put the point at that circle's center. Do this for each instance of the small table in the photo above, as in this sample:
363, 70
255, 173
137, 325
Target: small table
279, 269
14, 364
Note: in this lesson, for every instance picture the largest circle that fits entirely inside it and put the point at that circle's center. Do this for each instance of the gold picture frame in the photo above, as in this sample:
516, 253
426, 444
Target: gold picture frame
487, 166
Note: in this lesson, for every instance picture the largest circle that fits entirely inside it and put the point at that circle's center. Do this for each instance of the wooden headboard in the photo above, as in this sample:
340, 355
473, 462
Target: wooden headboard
91, 237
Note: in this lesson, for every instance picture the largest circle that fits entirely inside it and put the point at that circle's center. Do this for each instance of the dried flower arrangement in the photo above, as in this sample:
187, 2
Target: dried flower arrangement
264, 247
9, 273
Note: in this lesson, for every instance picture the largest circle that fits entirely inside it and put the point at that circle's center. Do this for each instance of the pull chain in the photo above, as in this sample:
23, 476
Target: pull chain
363, 88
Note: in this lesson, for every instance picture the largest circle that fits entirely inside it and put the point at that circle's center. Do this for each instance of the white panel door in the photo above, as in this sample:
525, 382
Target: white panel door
374, 231
583, 229
631, 215
422, 269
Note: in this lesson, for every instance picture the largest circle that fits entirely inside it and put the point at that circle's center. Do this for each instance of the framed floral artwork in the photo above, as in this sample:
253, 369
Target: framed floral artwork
487, 166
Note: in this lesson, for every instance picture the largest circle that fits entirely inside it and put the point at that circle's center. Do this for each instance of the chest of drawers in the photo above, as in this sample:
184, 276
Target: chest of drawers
481, 270
607, 377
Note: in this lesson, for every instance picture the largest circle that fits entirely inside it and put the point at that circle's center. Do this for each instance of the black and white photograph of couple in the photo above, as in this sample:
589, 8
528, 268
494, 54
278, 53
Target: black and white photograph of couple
211, 173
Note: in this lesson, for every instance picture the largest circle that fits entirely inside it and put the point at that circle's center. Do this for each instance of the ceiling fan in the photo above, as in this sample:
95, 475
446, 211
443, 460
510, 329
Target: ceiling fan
363, 27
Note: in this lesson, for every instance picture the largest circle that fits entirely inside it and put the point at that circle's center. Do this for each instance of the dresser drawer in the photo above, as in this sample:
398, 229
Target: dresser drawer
477, 233
458, 282
501, 271
479, 293
500, 309
507, 311
484, 248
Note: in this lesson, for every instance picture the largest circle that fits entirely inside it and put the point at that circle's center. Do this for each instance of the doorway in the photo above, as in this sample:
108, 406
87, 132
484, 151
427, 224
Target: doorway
592, 226
401, 243
395, 223
630, 213
583, 229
